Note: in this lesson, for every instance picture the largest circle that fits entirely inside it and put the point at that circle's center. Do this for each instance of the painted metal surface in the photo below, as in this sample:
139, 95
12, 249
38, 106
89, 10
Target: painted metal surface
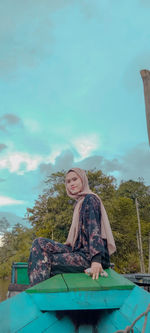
16, 312
133, 306
111, 299
44, 322
76, 311
19, 273
80, 281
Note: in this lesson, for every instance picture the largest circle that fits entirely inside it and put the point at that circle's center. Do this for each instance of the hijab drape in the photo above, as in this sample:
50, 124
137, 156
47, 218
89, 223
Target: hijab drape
106, 232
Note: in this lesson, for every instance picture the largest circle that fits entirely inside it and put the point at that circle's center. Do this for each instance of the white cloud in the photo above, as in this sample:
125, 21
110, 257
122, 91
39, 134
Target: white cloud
53, 156
1, 243
16, 160
86, 145
6, 201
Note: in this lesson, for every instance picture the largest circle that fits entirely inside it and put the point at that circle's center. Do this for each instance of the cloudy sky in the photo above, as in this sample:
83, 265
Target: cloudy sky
71, 92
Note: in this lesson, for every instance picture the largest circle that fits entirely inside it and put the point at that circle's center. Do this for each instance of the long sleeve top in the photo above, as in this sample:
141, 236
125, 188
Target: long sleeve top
89, 240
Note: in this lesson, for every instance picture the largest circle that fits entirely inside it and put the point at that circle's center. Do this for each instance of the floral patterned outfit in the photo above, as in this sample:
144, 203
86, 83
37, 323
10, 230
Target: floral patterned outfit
48, 258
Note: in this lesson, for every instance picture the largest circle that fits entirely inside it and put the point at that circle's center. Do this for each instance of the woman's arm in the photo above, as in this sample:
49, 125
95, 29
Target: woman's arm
91, 220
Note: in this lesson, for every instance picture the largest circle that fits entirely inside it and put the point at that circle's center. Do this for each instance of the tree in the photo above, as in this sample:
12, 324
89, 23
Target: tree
51, 217
124, 225
4, 225
52, 213
137, 189
104, 186
16, 247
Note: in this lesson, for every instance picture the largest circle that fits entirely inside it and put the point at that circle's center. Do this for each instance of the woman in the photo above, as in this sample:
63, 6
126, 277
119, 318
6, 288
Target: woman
90, 241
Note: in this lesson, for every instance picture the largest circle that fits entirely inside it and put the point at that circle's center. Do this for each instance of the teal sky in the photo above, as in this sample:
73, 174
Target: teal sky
71, 92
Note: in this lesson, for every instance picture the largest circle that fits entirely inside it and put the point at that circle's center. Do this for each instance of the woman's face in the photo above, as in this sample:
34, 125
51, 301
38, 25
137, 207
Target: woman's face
73, 183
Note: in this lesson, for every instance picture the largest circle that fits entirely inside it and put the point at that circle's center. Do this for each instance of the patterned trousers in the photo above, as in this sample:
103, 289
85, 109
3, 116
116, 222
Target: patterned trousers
48, 258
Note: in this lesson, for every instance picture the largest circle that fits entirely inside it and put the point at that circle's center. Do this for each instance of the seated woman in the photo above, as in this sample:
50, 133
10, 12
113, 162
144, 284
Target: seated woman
90, 241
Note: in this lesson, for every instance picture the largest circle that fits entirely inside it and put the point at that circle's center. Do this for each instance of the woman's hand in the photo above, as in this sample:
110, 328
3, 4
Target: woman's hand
95, 269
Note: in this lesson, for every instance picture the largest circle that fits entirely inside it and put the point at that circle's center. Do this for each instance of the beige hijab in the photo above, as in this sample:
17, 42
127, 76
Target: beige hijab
105, 225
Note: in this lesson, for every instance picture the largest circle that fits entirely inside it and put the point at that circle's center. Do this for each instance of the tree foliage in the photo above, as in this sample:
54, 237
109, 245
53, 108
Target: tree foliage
4, 225
51, 217
15, 248
137, 189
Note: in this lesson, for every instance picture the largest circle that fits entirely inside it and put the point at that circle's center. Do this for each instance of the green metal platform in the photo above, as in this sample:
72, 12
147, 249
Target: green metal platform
78, 291
79, 281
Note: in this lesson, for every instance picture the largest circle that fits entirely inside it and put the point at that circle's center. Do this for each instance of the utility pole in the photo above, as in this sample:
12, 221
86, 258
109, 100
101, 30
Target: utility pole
140, 239
138, 246
145, 74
